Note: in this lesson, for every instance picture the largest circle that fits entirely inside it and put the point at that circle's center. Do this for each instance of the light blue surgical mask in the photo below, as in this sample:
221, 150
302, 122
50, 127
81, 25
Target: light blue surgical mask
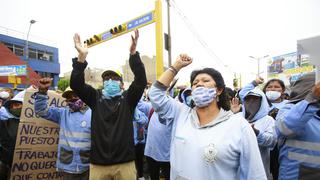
202, 96
188, 100
111, 88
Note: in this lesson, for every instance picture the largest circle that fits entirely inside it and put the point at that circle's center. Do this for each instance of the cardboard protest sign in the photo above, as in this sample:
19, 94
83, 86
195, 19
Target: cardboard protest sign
35, 152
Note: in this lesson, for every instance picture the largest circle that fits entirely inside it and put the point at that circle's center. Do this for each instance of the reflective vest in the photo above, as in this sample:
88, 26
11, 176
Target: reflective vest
299, 156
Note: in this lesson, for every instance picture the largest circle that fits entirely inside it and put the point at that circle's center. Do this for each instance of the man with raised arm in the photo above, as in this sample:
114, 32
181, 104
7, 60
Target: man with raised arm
112, 145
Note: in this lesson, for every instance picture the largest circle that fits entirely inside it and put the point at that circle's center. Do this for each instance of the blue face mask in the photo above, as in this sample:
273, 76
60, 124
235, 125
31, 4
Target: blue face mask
111, 88
203, 96
188, 100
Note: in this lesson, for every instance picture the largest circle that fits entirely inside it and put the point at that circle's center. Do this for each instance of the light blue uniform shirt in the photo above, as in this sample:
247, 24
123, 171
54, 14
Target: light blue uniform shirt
298, 126
159, 139
279, 105
140, 121
74, 135
226, 148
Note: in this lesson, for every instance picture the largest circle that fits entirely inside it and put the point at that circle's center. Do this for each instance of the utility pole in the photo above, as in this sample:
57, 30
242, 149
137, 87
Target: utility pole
169, 34
258, 60
27, 40
27, 50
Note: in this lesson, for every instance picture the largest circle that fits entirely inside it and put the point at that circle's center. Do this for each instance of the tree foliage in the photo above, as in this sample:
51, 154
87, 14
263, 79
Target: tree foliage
63, 84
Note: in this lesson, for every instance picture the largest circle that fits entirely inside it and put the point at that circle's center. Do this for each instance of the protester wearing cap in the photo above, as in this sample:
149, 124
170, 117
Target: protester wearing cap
112, 146
111, 73
75, 130
9, 122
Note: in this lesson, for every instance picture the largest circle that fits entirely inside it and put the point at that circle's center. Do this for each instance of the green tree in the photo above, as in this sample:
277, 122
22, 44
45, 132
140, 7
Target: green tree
63, 84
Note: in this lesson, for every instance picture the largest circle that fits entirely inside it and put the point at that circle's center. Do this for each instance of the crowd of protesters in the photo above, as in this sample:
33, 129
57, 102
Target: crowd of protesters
202, 131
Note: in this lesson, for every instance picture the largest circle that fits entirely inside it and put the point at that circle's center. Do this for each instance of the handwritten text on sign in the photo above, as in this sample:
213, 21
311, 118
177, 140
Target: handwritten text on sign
36, 145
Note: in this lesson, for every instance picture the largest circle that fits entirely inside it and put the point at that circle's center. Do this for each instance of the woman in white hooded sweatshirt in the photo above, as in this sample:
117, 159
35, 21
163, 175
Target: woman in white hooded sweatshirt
255, 110
208, 140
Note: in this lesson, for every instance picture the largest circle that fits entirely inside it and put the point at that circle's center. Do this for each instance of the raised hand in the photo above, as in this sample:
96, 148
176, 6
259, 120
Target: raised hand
44, 84
235, 105
82, 50
259, 80
134, 42
182, 60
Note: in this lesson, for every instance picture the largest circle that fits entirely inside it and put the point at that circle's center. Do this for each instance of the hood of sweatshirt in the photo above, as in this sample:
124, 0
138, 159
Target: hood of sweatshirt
257, 109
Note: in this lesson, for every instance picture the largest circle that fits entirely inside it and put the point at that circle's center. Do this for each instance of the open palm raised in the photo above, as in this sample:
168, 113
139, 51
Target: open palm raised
82, 50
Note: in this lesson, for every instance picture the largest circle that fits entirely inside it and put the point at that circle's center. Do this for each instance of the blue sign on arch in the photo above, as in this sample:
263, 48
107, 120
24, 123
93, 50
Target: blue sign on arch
106, 35
140, 21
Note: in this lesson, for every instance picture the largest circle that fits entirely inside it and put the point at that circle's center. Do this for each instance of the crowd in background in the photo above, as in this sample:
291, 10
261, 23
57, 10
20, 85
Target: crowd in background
204, 130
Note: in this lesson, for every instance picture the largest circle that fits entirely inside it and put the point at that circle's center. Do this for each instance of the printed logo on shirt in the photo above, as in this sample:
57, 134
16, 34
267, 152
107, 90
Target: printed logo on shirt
83, 123
210, 153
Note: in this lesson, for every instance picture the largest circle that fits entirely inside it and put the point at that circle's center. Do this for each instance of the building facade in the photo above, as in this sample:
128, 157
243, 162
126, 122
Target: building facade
150, 66
42, 61
92, 77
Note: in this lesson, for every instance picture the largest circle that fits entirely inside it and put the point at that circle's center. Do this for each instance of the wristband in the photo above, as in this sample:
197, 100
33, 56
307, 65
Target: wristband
174, 70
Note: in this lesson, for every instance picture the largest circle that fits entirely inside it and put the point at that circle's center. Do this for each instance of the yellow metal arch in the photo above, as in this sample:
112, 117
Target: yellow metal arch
138, 22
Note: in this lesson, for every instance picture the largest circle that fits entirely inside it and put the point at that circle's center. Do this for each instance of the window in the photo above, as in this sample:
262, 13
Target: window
50, 56
45, 56
10, 46
18, 50
45, 74
40, 55
33, 53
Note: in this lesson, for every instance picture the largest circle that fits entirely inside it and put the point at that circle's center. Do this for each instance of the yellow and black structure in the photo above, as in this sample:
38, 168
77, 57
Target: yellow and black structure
141, 21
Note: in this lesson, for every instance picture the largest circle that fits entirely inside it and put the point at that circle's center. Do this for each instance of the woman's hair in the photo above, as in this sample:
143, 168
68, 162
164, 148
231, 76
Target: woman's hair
230, 93
274, 80
217, 77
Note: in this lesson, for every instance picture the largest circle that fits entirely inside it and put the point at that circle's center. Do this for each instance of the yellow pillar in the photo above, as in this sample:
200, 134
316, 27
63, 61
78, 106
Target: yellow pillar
13, 80
159, 38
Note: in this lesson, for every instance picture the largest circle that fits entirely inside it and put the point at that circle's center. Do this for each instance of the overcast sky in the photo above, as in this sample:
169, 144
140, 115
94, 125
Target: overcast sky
232, 29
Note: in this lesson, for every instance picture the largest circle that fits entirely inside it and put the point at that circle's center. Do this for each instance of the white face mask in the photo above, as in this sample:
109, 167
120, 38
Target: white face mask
202, 96
273, 95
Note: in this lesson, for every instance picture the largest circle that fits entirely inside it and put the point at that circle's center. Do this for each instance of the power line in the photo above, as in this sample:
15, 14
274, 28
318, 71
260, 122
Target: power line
196, 34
